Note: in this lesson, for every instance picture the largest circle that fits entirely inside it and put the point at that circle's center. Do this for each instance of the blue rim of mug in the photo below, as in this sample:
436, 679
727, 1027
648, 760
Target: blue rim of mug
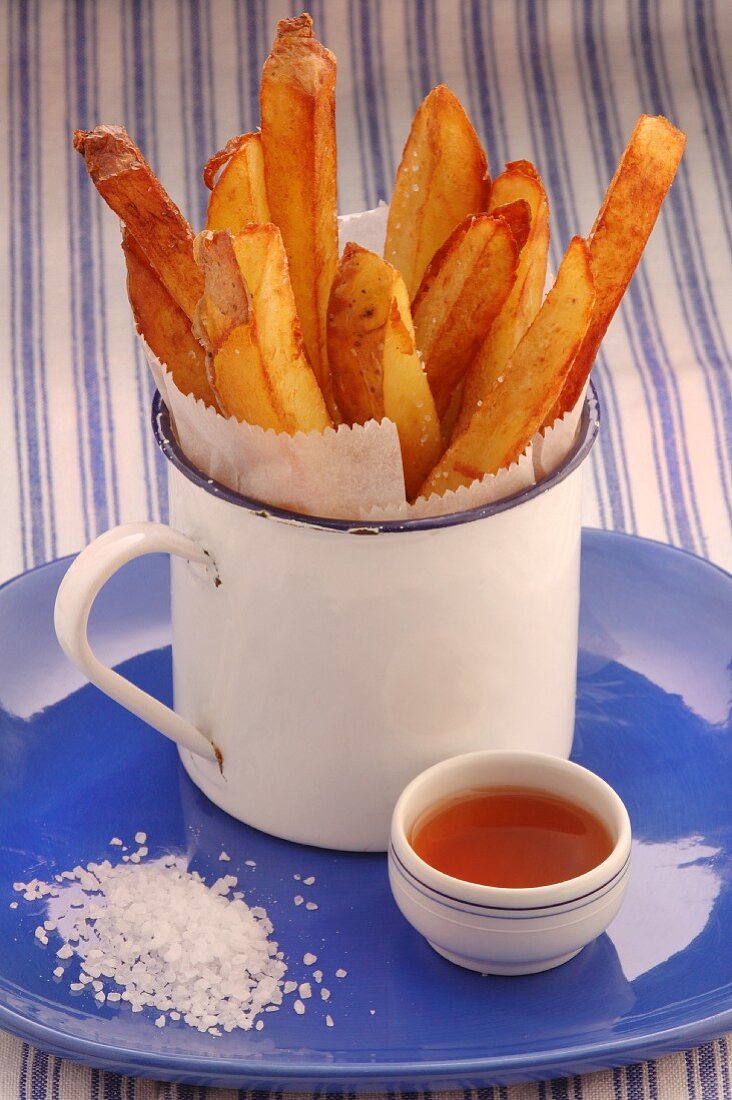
586, 436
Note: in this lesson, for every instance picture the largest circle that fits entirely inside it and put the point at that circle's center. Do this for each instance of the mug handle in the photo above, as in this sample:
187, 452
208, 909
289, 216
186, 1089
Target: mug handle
79, 588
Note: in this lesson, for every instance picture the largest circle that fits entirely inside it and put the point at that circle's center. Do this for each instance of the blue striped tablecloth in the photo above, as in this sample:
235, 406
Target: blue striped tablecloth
560, 82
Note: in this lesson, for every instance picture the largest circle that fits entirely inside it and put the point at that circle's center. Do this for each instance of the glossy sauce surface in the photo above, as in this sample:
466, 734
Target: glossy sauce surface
510, 837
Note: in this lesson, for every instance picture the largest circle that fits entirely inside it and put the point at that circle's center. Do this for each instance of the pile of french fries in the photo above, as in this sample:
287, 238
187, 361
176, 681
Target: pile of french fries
449, 334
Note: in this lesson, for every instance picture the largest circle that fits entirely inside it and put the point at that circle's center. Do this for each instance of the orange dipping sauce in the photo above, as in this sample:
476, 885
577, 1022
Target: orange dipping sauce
511, 837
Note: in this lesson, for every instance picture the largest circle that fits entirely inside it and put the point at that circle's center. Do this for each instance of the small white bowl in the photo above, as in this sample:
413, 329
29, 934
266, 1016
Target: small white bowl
496, 930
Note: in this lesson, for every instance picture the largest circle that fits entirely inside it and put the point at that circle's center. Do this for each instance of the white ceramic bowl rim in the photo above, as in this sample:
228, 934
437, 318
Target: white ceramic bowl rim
165, 438
583, 887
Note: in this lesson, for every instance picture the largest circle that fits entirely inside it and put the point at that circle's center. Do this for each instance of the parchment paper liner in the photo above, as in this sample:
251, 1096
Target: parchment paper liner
344, 473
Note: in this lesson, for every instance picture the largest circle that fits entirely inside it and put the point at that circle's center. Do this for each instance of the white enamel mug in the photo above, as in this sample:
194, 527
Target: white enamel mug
319, 666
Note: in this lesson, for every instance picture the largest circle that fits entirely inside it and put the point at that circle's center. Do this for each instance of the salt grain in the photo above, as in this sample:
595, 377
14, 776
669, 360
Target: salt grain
116, 842
309, 958
329, 1021
140, 838
311, 905
305, 991
160, 1022
289, 987
224, 857
341, 973
309, 880
298, 899
168, 940
318, 975
299, 1008
324, 994
59, 972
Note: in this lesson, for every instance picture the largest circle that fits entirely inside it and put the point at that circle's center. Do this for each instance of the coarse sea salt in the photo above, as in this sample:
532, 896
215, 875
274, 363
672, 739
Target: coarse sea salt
168, 940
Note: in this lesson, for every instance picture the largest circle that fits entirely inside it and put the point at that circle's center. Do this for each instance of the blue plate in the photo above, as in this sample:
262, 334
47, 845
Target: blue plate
653, 719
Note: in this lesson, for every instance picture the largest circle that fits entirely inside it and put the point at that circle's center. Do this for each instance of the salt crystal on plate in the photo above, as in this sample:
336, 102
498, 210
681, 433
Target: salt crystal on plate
116, 842
311, 905
299, 1007
324, 994
160, 1022
64, 952
140, 838
58, 972
318, 975
224, 857
298, 899
289, 987
341, 973
308, 958
305, 991
329, 1021
309, 880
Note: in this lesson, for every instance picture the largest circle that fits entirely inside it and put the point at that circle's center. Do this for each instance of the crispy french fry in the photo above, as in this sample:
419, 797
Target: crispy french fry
297, 99
621, 230
359, 305
408, 400
164, 325
502, 426
239, 196
462, 291
297, 398
226, 302
128, 185
518, 181
441, 180
242, 382
226, 327
374, 361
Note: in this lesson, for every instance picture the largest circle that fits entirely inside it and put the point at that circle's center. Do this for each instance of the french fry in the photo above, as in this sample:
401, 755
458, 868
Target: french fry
242, 382
619, 235
297, 398
128, 185
226, 327
462, 291
164, 325
502, 426
441, 180
374, 362
408, 400
359, 304
518, 181
226, 302
297, 99
239, 196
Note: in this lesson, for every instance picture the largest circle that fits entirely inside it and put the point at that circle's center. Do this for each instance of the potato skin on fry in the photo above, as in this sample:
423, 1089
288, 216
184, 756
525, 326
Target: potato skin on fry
441, 180
163, 324
515, 409
462, 291
622, 228
239, 196
128, 185
297, 100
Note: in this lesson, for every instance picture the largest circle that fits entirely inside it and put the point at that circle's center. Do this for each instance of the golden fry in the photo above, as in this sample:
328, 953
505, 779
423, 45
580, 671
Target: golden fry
128, 185
461, 293
239, 196
503, 425
374, 362
619, 235
164, 325
359, 305
297, 99
518, 182
441, 180
408, 400
297, 398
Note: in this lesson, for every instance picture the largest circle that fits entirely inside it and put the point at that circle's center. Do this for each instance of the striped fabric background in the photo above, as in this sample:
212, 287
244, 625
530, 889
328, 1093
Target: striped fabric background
558, 81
